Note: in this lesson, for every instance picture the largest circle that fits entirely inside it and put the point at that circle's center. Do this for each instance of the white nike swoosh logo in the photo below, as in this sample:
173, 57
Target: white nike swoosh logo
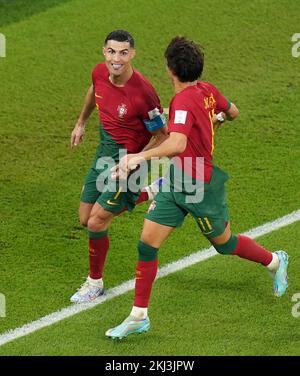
111, 203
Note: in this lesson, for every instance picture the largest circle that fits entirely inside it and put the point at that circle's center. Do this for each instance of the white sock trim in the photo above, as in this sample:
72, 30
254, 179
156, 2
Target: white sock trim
95, 282
139, 312
274, 264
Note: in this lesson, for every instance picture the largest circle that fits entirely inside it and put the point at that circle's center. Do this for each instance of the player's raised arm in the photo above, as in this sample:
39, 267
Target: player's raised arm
230, 114
87, 109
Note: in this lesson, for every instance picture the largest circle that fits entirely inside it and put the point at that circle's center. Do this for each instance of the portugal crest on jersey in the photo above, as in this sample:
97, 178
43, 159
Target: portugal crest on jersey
122, 110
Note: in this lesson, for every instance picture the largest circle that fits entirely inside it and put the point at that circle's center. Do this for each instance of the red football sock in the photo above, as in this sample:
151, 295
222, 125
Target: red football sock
248, 249
145, 275
97, 253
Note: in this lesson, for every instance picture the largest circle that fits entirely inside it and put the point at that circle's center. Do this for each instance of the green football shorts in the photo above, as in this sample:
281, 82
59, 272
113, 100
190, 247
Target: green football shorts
110, 194
211, 214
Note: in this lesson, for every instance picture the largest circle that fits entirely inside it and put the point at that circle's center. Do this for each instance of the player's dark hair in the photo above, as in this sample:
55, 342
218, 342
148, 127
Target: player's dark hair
120, 36
185, 59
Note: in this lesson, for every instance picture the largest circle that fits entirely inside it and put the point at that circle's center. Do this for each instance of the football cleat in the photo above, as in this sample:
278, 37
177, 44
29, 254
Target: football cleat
88, 292
129, 326
280, 276
153, 188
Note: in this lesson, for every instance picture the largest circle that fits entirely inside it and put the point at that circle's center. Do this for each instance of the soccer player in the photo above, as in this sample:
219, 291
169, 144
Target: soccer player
131, 119
193, 111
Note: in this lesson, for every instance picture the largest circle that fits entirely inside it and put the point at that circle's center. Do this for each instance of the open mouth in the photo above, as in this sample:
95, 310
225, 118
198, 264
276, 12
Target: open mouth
117, 66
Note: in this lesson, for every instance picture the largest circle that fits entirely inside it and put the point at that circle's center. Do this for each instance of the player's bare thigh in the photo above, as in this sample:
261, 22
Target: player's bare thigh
223, 238
154, 234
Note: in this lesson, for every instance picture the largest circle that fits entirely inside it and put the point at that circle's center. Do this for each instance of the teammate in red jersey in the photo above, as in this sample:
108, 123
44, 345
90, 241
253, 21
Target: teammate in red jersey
194, 110
131, 119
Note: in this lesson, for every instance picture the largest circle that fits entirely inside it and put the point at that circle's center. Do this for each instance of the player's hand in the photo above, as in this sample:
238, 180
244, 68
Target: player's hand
126, 164
77, 134
216, 121
217, 124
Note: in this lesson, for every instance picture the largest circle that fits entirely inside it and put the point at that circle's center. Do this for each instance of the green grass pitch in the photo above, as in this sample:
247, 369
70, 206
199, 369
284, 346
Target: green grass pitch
222, 306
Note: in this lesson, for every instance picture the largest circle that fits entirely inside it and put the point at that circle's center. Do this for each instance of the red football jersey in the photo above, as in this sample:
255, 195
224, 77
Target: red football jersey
125, 112
191, 113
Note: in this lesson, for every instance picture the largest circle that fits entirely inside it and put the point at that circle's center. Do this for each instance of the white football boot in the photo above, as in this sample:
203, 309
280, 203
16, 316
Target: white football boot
89, 291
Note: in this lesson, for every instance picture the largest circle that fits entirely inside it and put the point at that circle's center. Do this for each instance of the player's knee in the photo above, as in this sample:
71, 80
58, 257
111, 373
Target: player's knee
96, 224
228, 247
146, 252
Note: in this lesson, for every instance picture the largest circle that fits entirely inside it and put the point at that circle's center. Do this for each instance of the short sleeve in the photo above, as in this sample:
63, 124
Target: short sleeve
222, 103
181, 119
96, 73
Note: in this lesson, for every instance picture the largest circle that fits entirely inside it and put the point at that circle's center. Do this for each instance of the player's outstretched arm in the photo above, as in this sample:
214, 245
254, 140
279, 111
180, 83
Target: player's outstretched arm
158, 136
232, 112
172, 146
87, 109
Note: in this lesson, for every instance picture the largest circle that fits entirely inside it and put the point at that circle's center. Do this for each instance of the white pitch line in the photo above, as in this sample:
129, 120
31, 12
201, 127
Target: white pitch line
173, 267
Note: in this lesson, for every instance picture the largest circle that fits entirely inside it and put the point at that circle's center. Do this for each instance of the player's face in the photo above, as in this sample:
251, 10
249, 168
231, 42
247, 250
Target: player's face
118, 56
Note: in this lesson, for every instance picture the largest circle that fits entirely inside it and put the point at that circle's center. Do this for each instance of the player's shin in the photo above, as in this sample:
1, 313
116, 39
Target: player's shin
98, 247
245, 248
138, 320
248, 249
146, 271
276, 262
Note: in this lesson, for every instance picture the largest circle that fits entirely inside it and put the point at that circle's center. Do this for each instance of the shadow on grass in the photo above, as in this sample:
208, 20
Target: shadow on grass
17, 10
